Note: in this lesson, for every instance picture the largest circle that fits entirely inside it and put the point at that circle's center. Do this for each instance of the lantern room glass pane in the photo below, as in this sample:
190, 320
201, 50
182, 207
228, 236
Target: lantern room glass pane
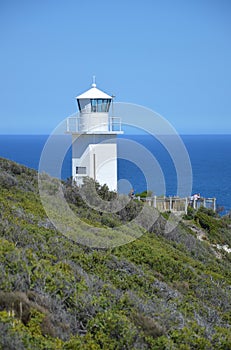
100, 105
94, 105
84, 105
108, 105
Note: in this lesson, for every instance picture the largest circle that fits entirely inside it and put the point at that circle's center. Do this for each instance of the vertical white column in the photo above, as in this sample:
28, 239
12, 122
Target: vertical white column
94, 167
154, 201
170, 204
186, 205
204, 202
214, 204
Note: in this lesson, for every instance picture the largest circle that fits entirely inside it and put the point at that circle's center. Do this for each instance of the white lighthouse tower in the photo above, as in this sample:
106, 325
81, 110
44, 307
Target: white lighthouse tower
94, 131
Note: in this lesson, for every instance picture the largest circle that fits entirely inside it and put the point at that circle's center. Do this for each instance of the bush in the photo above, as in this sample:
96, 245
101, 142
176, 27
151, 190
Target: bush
190, 213
207, 211
144, 194
130, 211
149, 326
7, 181
112, 330
9, 340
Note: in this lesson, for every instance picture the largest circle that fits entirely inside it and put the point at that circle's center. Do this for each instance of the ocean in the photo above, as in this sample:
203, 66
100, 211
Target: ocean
209, 156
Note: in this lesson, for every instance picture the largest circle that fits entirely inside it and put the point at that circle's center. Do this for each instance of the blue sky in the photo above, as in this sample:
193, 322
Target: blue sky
171, 56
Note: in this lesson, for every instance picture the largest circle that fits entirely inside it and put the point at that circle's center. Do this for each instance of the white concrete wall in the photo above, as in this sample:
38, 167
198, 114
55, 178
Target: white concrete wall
103, 149
105, 164
90, 122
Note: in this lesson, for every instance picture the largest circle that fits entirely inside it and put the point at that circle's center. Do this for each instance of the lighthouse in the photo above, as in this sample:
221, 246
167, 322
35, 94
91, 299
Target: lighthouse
94, 131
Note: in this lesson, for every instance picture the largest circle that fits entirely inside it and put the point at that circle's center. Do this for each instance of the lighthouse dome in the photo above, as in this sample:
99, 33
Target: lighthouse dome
93, 93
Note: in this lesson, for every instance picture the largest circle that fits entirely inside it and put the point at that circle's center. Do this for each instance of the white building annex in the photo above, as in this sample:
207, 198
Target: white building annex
94, 132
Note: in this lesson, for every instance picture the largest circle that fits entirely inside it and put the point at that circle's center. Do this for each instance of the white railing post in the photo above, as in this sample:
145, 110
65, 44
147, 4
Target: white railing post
164, 204
214, 204
194, 203
154, 201
186, 205
170, 204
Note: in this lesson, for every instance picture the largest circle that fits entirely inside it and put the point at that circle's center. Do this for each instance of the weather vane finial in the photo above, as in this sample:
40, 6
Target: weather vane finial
93, 81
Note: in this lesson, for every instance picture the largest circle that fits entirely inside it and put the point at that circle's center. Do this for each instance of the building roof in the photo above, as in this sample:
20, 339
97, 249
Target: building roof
93, 93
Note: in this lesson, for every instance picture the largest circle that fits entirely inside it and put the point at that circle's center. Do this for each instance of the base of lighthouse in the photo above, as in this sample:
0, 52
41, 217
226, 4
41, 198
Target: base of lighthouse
95, 156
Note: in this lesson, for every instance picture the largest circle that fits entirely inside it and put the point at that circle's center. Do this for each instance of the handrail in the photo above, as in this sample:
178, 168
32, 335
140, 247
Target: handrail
172, 203
74, 124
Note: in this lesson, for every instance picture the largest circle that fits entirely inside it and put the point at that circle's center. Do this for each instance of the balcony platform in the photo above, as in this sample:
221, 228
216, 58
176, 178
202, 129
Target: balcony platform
113, 127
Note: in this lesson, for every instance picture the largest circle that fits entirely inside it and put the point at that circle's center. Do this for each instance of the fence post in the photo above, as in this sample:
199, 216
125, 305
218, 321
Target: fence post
170, 204
164, 203
214, 204
154, 201
194, 203
186, 205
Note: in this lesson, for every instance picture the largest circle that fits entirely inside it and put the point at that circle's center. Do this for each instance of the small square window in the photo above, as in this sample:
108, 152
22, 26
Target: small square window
80, 170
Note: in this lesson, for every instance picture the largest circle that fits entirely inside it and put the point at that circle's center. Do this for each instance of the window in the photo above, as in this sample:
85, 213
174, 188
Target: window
106, 105
81, 170
99, 105
94, 105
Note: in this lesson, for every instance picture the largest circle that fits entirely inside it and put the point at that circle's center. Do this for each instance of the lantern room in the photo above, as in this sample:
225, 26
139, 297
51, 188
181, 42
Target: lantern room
94, 106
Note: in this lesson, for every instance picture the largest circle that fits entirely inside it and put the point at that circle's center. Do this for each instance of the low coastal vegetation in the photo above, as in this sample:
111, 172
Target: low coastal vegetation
168, 289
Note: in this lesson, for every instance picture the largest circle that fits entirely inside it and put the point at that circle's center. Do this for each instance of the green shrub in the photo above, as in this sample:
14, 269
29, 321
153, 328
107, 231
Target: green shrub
112, 330
190, 213
149, 326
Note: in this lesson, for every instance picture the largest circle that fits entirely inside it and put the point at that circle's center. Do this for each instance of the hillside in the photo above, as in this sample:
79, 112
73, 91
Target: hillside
165, 290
